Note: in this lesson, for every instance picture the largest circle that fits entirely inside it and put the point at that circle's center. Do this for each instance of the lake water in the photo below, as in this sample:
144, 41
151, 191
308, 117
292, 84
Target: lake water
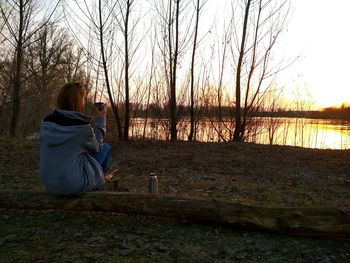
310, 133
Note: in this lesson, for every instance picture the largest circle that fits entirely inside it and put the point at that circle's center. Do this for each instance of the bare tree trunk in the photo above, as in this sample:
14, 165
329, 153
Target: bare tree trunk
172, 52
190, 137
220, 87
149, 91
238, 133
126, 72
265, 20
18, 69
247, 105
173, 118
114, 105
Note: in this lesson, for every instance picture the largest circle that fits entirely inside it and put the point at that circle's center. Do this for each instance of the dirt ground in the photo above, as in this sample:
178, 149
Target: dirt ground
268, 175
273, 175
264, 174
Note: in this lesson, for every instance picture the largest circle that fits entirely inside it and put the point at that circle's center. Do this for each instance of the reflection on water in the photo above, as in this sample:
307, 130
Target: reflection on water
322, 134
310, 133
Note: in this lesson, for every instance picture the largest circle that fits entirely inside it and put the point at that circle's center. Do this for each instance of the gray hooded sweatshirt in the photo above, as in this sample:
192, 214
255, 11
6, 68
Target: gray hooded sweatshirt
66, 141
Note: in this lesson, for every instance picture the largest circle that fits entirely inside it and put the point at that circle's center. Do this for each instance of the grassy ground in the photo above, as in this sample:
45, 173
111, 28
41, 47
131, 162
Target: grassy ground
251, 173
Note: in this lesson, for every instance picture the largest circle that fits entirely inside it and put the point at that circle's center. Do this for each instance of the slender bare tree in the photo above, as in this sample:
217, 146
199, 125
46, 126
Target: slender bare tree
127, 66
101, 34
173, 43
262, 24
237, 136
123, 19
149, 88
194, 48
173, 65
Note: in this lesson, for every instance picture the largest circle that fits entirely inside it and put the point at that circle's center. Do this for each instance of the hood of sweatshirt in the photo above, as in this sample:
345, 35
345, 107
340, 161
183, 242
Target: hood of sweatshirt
62, 126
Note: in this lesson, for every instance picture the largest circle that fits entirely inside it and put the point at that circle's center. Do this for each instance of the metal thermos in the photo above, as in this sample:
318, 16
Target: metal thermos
153, 183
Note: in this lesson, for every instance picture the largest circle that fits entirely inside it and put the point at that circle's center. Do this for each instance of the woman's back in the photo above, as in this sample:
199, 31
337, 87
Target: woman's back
66, 167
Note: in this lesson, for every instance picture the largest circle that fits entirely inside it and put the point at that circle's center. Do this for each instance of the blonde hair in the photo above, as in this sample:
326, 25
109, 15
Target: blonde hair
71, 97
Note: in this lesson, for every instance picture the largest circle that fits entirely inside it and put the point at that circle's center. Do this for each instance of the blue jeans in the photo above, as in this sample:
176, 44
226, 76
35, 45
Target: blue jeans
102, 157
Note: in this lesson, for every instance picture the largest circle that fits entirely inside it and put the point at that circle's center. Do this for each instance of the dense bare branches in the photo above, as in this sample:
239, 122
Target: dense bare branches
22, 21
106, 31
223, 62
263, 22
175, 36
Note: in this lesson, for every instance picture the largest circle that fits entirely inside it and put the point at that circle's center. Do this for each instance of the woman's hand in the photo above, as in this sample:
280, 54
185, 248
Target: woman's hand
102, 112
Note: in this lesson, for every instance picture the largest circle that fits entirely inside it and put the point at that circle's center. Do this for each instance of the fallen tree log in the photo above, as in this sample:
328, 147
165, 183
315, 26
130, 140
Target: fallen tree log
322, 221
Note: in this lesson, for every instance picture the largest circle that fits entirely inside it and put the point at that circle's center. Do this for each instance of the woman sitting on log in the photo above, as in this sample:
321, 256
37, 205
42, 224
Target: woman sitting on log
73, 157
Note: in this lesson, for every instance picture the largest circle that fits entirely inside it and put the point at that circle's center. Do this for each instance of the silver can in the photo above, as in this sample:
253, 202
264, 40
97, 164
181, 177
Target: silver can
153, 184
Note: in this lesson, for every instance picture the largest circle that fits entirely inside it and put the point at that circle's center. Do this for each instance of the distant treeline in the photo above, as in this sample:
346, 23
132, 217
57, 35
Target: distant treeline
157, 111
328, 113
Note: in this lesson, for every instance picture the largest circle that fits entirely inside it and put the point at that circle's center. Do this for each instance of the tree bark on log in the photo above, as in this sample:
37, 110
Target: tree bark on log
321, 221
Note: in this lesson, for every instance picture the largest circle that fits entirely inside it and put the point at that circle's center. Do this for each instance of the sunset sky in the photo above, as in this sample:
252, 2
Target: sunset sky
318, 31
317, 37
